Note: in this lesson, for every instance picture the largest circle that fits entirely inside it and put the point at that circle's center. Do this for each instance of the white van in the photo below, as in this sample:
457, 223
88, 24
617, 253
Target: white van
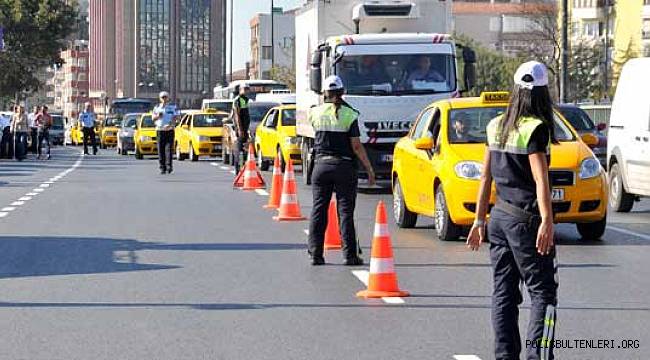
628, 143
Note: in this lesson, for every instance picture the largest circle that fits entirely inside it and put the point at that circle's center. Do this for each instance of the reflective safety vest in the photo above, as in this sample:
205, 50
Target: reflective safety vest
518, 139
241, 102
323, 118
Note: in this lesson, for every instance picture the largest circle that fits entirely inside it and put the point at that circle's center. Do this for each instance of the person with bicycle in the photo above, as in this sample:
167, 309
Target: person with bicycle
43, 123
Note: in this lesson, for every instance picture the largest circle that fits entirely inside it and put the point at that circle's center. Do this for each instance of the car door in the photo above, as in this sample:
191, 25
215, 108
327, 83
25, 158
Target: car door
181, 134
410, 164
425, 164
270, 133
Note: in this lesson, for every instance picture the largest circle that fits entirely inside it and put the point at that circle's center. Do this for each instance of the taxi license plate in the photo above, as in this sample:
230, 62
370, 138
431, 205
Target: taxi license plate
557, 195
387, 158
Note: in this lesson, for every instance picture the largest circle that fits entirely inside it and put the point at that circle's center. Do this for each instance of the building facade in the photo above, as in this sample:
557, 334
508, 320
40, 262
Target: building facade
69, 84
153, 45
262, 50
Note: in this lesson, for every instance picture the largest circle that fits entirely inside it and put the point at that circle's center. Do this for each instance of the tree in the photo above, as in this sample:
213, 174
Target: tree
285, 75
34, 34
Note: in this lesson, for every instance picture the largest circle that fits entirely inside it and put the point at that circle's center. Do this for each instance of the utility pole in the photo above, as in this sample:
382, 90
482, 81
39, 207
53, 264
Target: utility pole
232, 20
564, 66
272, 36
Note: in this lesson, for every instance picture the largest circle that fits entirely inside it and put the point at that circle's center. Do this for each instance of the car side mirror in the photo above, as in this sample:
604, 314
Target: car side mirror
601, 127
424, 143
590, 140
315, 72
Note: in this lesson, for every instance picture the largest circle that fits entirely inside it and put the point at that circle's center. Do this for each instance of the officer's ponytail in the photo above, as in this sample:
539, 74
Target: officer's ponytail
535, 103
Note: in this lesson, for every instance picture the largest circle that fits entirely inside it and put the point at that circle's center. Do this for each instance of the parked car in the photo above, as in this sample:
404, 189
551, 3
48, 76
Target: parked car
125, 141
583, 124
108, 131
144, 137
628, 148
277, 135
257, 111
57, 131
199, 133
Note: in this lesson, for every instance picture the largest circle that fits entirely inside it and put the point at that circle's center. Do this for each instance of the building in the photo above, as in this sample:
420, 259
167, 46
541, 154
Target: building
262, 50
141, 47
69, 83
504, 25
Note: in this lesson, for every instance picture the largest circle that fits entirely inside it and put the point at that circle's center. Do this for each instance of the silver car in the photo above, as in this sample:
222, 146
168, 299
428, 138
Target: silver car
125, 141
57, 130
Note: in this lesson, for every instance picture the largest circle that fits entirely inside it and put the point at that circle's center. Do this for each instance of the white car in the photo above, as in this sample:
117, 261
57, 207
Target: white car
628, 147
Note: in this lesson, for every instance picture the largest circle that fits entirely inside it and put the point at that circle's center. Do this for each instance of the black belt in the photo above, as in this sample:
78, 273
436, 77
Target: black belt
333, 157
515, 211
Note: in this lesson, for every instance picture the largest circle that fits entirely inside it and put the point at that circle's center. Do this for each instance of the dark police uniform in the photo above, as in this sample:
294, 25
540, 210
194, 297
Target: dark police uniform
240, 104
165, 134
512, 232
335, 170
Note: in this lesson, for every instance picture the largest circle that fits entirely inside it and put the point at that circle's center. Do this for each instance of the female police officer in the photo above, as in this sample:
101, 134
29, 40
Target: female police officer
521, 224
336, 146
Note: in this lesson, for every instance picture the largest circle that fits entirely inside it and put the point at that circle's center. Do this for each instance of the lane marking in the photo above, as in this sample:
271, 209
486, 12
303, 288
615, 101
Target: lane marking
226, 168
232, 172
17, 203
306, 231
46, 185
31, 194
466, 357
8, 208
363, 276
262, 192
25, 198
214, 164
38, 190
3, 214
629, 232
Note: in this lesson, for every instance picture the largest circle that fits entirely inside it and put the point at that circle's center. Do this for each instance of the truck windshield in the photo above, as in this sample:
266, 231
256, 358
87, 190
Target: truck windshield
392, 74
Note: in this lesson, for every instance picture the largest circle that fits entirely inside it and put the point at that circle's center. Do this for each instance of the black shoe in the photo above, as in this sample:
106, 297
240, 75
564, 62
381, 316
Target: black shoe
316, 261
163, 171
49, 157
355, 261
170, 170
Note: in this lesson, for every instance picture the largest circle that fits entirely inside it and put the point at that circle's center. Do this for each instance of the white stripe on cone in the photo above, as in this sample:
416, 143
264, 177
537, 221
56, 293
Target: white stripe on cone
289, 176
381, 230
382, 266
288, 199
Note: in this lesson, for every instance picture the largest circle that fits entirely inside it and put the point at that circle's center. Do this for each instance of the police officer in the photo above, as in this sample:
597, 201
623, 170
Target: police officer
520, 230
164, 115
88, 119
336, 148
242, 123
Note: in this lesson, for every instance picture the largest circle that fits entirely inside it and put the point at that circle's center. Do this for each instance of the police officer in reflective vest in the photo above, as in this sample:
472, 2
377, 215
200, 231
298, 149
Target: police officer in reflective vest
164, 115
336, 149
242, 123
520, 230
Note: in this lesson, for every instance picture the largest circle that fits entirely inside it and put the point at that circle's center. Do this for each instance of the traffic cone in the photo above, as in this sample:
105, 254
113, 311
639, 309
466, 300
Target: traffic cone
276, 185
249, 178
332, 233
289, 208
382, 281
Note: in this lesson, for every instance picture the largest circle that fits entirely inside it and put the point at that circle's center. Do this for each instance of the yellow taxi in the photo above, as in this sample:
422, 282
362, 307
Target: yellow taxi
108, 132
437, 167
275, 135
77, 133
199, 133
144, 136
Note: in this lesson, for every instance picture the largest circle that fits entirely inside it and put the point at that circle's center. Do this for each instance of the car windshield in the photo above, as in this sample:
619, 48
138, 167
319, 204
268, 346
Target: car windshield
467, 126
224, 106
57, 122
289, 117
207, 120
257, 111
129, 121
147, 122
125, 107
577, 117
112, 122
407, 74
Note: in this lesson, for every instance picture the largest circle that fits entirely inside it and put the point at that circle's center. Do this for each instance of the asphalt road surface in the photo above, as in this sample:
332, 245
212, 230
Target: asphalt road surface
103, 258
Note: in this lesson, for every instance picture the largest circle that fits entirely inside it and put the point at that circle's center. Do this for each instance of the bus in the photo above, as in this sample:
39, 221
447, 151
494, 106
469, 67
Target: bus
121, 107
255, 87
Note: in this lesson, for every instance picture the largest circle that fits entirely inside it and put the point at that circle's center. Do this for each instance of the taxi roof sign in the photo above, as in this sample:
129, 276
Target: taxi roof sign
495, 97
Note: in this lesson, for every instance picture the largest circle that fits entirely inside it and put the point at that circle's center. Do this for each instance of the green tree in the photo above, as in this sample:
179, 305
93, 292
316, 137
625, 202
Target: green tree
285, 75
34, 34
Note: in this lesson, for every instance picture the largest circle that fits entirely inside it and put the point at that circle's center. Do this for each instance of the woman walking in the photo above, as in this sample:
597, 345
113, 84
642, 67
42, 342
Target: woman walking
520, 230
20, 130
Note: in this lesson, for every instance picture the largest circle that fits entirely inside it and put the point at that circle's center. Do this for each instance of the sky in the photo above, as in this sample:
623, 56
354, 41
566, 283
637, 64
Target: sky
244, 10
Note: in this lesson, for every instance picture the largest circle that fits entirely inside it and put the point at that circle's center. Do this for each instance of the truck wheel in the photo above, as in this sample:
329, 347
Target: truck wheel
193, 155
179, 154
307, 165
619, 199
447, 230
404, 218
592, 231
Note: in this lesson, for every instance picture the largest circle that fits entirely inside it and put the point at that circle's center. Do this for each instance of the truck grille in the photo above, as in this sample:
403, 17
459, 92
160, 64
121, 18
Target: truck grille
561, 178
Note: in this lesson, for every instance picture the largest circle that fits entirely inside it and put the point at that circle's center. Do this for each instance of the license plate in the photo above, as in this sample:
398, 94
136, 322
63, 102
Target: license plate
387, 158
557, 195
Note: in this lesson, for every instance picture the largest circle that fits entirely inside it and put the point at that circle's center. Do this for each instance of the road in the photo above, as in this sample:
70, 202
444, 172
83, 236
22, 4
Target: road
103, 258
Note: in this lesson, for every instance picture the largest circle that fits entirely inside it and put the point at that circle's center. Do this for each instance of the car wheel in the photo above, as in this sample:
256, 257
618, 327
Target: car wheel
445, 227
593, 230
404, 218
138, 154
193, 156
179, 155
261, 163
307, 165
619, 199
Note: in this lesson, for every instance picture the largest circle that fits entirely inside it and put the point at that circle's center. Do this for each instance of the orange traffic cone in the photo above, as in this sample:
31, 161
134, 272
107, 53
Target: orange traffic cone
332, 233
382, 281
289, 208
276, 185
249, 178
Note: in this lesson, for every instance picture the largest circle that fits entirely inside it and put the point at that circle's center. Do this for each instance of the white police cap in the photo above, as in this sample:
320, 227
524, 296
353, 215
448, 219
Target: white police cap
333, 82
536, 70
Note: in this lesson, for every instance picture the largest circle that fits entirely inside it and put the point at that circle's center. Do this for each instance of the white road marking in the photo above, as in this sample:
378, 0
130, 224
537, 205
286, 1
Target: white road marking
8, 208
306, 231
262, 192
17, 203
214, 164
31, 194
466, 357
224, 168
38, 190
3, 214
45, 185
363, 276
629, 232
232, 172
25, 198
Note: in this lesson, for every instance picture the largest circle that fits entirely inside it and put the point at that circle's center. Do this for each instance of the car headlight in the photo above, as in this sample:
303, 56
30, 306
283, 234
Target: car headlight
145, 138
469, 170
290, 140
204, 138
589, 168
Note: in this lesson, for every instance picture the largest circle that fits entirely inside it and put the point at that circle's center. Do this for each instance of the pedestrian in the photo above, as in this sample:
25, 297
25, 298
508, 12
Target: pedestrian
5, 138
165, 115
520, 230
336, 147
43, 123
20, 130
88, 118
242, 123
31, 119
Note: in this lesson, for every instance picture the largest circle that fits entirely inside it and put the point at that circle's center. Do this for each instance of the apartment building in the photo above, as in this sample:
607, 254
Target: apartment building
262, 50
69, 84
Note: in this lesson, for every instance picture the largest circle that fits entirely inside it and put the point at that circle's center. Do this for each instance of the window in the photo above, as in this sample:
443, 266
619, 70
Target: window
272, 119
266, 52
289, 118
421, 123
